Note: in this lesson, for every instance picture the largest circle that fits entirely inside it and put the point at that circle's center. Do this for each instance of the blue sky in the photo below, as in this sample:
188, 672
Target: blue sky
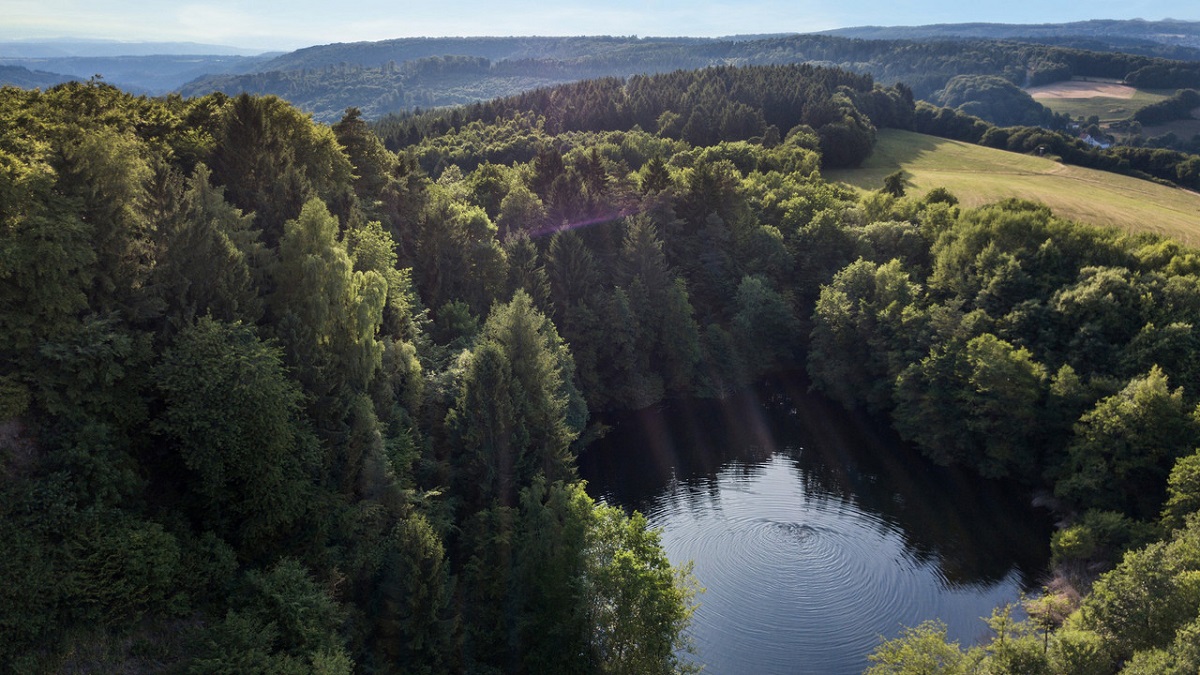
288, 24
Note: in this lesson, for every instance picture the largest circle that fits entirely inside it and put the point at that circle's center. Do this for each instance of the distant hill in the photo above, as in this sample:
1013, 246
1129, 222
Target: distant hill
158, 74
399, 75
1167, 31
1124, 45
139, 67
374, 54
17, 76
426, 83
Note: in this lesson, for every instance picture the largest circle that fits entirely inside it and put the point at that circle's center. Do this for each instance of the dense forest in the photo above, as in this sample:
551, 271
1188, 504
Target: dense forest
402, 75
1167, 32
276, 398
395, 76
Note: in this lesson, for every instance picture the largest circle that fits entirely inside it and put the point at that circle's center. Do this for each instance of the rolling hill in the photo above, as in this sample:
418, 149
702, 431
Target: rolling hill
1167, 31
20, 76
979, 175
398, 75
1109, 100
150, 74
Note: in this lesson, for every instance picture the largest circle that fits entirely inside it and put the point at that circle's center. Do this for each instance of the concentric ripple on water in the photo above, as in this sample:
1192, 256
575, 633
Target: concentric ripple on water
802, 583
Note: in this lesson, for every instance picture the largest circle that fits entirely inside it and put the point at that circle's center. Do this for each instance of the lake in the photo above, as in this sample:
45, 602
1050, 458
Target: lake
814, 531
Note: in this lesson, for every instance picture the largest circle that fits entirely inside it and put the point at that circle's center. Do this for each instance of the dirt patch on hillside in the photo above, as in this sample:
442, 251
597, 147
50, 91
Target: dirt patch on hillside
1081, 89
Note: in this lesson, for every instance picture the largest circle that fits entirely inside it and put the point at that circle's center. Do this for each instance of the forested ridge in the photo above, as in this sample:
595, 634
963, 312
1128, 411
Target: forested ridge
1167, 32
276, 398
397, 76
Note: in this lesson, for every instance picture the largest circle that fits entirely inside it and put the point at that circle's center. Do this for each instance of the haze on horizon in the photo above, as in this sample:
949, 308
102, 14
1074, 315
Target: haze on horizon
291, 24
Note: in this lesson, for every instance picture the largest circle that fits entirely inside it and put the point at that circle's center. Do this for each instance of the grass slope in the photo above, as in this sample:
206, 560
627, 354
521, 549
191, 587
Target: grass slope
1109, 100
979, 175
1108, 109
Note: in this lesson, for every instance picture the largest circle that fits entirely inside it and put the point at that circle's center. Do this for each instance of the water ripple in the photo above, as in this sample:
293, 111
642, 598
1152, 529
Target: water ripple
783, 569
815, 533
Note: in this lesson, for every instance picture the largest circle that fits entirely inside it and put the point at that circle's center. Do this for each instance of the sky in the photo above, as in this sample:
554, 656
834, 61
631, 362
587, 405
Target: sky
290, 24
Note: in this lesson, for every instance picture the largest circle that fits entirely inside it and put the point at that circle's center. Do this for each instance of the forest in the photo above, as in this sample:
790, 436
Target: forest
277, 398
399, 76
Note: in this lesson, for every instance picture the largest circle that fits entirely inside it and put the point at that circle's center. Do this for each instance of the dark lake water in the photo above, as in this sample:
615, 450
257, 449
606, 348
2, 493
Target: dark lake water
814, 532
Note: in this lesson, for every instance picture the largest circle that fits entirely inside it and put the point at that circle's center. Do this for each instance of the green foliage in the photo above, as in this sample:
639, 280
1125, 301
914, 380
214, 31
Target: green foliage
552, 571
46, 251
1124, 448
105, 168
627, 351
765, 324
233, 417
208, 252
847, 141
414, 628
286, 623
272, 160
374, 250
977, 404
517, 410
1098, 535
526, 271
456, 255
372, 162
862, 322
1177, 107
77, 566
1183, 491
893, 183
120, 569
1153, 593
994, 99
920, 650
1078, 652
220, 386
724, 366
640, 605
652, 312
327, 315
455, 325
1103, 308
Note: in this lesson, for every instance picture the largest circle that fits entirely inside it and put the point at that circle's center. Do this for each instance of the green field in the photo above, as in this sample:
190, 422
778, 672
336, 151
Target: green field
1110, 100
1106, 108
979, 175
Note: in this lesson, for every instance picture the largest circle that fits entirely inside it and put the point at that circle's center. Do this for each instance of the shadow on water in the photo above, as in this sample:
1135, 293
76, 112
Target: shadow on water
815, 531
975, 531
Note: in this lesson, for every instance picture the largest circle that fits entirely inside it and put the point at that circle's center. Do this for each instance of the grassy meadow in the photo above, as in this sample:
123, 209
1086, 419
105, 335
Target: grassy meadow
979, 175
1110, 101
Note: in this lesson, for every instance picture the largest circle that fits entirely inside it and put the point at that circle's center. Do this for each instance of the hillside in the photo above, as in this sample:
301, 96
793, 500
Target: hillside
373, 54
19, 76
1111, 101
396, 75
152, 74
426, 83
399, 75
979, 175
1167, 31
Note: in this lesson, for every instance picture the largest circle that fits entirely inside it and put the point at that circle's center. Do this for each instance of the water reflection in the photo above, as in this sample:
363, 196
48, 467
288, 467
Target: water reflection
814, 532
